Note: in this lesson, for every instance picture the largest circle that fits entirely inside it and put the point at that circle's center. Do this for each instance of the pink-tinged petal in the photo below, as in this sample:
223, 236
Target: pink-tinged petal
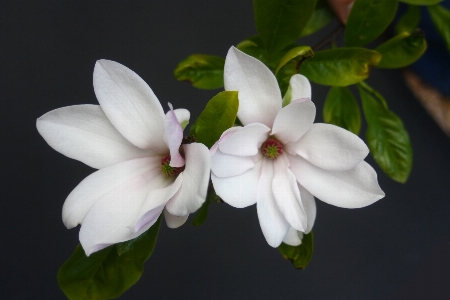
354, 188
183, 116
193, 190
84, 133
287, 195
174, 137
238, 191
174, 221
130, 105
293, 237
225, 165
330, 147
106, 181
309, 204
245, 141
293, 121
259, 94
225, 136
273, 224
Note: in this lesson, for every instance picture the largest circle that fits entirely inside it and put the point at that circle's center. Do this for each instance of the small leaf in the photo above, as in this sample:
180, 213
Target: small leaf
441, 19
321, 17
107, 273
367, 20
386, 136
300, 255
421, 2
341, 109
409, 21
402, 50
281, 22
218, 115
202, 71
300, 53
202, 212
340, 66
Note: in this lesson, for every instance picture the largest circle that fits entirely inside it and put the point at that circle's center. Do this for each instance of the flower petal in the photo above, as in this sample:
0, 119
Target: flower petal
273, 224
192, 193
174, 221
130, 105
183, 116
84, 133
293, 237
225, 136
309, 204
259, 94
238, 191
330, 147
300, 87
225, 165
245, 141
293, 121
174, 136
354, 188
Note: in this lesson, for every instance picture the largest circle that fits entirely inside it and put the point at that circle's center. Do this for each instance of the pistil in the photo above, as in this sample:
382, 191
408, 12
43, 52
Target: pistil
272, 148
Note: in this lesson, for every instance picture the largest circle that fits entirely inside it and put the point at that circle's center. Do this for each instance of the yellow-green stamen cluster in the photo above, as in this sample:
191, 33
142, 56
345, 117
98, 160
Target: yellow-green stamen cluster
272, 148
167, 170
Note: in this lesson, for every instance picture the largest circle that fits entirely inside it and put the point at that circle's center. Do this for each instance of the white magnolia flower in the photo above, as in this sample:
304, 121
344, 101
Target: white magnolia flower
137, 149
280, 160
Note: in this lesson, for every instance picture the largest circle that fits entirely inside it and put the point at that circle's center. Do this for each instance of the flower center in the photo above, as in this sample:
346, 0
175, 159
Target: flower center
167, 170
272, 148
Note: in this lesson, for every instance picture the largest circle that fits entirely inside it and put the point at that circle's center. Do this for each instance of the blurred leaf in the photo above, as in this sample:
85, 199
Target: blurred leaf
421, 2
300, 52
254, 47
367, 20
321, 17
441, 19
386, 136
409, 21
340, 66
109, 272
202, 71
341, 109
202, 212
218, 115
299, 255
281, 22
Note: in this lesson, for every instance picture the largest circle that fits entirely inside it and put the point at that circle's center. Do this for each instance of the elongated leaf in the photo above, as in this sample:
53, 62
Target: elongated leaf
281, 22
202, 212
367, 20
409, 21
386, 136
342, 110
441, 19
202, 71
300, 52
340, 66
300, 255
421, 2
218, 115
110, 272
254, 46
321, 17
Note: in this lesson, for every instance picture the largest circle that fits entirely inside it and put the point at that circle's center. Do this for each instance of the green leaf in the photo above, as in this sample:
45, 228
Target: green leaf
107, 273
281, 22
321, 17
254, 47
300, 52
341, 109
218, 115
441, 19
202, 71
340, 66
421, 2
202, 212
367, 20
299, 255
409, 21
402, 50
386, 136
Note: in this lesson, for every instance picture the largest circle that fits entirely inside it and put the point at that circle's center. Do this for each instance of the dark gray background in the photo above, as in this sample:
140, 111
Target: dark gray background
398, 246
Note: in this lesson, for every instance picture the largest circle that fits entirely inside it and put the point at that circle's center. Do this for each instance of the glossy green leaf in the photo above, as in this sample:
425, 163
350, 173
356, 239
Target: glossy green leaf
218, 115
300, 53
367, 20
340, 66
300, 255
421, 2
281, 22
107, 273
321, 17
254, 47
202, 71
386, 136
341, 109
441, 19
402, 50
409, 21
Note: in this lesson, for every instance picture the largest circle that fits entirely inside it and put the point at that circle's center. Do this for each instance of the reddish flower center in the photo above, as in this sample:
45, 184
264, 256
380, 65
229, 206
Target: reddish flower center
167, 170
272, 148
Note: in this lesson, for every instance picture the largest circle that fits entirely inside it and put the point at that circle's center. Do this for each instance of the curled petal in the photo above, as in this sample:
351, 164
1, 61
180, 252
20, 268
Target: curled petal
183, 116
174, 137
293, 237
174, 221
225, 136
225, 165
309, 204
299, 88
245, 141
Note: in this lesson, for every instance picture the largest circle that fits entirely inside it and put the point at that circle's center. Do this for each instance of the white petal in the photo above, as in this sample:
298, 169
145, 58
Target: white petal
259, 94
273, 224
354, 188
84, 133
105, 181
225, 165
330, 147
245, 141
299, 88
293, 121
130, 105
183, 116
225, 136
238, 191
193, 190
293, 237
174, 137
287, 195
174, 221
309, 204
